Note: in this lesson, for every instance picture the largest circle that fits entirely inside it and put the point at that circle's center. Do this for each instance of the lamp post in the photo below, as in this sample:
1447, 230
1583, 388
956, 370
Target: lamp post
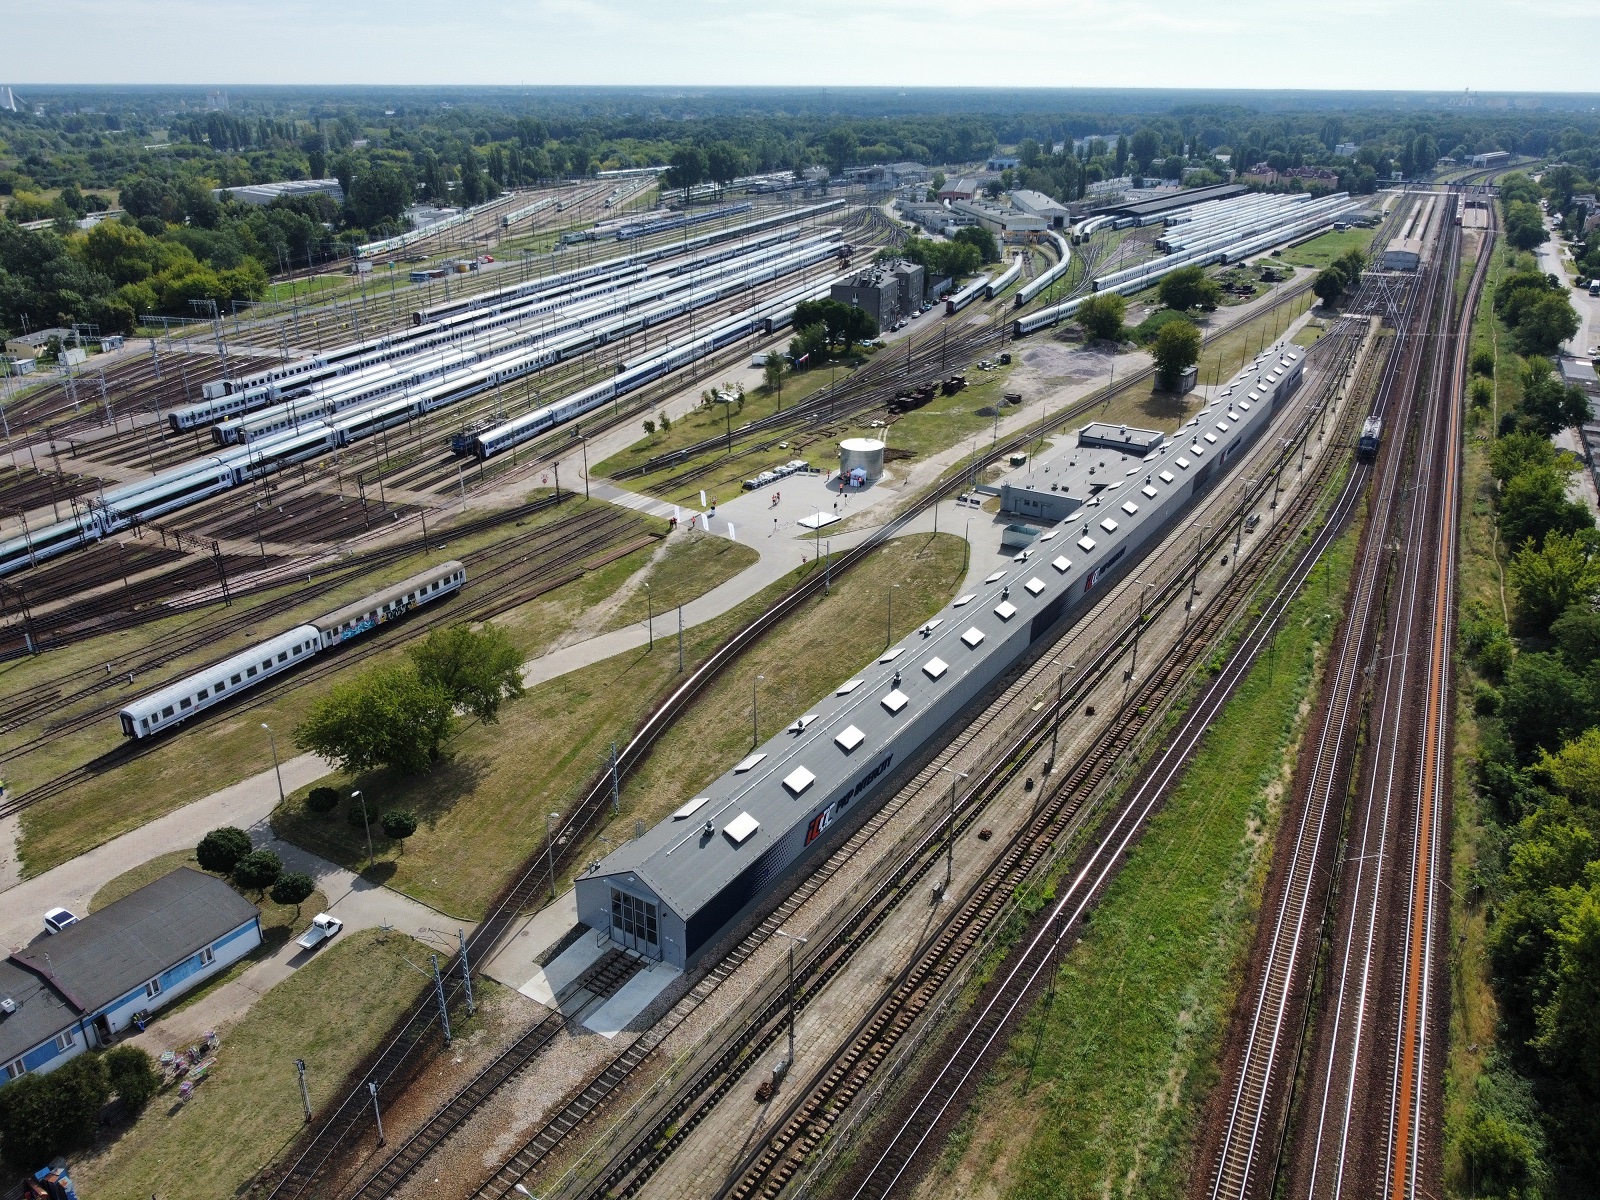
950, 830
273, 741
356, 795
550, 849
755, 730
583, 441
792, 939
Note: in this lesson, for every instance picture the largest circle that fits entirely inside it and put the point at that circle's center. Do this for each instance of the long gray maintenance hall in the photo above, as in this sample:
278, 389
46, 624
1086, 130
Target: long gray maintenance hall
736, 848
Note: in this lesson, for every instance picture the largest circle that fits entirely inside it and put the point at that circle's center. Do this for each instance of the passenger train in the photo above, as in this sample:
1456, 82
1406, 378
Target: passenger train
170, 706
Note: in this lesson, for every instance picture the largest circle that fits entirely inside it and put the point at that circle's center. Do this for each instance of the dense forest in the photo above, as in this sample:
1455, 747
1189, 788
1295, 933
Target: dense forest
158, 155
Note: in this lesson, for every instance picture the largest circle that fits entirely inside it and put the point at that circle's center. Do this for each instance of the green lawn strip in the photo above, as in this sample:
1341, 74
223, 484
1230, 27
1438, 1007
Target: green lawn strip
233, 746
248, 1110
1228, 352
1127, 1050
482, 810
1320, 251
692, 565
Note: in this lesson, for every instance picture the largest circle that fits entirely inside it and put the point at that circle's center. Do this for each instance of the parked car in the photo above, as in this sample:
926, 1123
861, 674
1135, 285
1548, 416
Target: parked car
323, 927
58, 919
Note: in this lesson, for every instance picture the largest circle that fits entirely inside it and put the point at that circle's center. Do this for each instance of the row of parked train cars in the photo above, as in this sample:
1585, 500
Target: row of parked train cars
174, 704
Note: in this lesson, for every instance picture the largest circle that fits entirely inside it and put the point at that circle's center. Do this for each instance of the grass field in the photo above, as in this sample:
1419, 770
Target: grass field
1226, 354
327, 1013
232, 746
1320, 251
482, 809
1123, 1054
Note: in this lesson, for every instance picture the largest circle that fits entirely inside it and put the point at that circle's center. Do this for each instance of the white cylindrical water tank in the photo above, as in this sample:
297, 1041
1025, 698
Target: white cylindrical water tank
861, 460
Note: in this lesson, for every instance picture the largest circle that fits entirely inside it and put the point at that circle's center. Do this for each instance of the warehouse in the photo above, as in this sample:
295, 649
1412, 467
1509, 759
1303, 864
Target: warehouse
266, 193
1151, 210
999, 219
77, 990
675, 892
1037, 204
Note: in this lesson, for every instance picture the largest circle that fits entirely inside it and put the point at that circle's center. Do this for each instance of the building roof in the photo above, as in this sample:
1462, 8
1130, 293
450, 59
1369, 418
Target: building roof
1180, 199
1577, 371
846, 741
108, 953
40, 1015
1037, 203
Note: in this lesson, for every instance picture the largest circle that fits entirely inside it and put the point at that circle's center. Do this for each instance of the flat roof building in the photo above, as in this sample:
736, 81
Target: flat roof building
999, 219
1036, 204
79, 989
266, 193
1492, 158
880, 291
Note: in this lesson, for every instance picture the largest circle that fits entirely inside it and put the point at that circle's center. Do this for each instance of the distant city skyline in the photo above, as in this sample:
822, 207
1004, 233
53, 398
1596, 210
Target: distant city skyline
1406, 45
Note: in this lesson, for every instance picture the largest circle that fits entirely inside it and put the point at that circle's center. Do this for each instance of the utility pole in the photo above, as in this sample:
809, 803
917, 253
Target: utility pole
305, 1092
438, 990
275, 768
466, 972
680, 639
356, 795
792, 939
550, 849
616, 783
950, 829
372, 1089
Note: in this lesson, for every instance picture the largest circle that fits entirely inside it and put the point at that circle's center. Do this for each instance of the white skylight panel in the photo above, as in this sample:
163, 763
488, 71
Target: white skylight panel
1149, 491
891, 655
1183, 463
1129, 507
1062, 563
996, 577
740, 829
1005, 610
935, 667
972, 637
848, 686
896, 700
1166, 477
1109, 525
1034, 586
748, 763
849, 738
798, 780
690, 807
962, 601
1086, 543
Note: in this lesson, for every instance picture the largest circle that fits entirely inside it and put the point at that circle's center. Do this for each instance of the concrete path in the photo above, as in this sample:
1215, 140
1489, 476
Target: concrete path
247, 804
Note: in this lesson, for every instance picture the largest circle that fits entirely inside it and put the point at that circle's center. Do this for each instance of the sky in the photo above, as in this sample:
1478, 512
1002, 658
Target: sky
1361, 44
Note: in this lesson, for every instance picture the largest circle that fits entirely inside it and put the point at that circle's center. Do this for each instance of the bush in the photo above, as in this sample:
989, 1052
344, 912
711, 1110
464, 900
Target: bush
42, 1116
258, 870
1188, 287
1480, 393
356, 815
398, 824
1483, 361
132, 1075
322, 800
293, 887
221, 849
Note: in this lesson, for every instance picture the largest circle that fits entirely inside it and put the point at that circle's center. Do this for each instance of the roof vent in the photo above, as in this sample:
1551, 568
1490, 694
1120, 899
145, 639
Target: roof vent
8, 1006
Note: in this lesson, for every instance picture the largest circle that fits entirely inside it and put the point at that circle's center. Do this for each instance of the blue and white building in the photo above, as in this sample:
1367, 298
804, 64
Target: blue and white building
78, 990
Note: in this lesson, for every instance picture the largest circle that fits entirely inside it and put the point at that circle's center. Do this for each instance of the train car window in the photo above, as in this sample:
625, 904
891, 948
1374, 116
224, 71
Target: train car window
235, 680
185, 703
296, 650
267, 666
250, 674
167, 711
284, 657
204, 692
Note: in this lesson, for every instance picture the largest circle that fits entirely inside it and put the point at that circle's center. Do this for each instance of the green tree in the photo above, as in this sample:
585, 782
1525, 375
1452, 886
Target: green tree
773, 371
1547, 406
1551, 578
1569, 1035
132, 1076
980, 240
293, 887
478, 669
840, 145
322, 800
42, 1116
1575, 770
1189, 287
1534, 504
1524, 225
385, 717
1521, 451
809, 346
1543, 704
687, 168
221, 849
724, 162
398, 824
1546, 323
1101, 316
258, 870
1177, 346
378, 193
1145, 146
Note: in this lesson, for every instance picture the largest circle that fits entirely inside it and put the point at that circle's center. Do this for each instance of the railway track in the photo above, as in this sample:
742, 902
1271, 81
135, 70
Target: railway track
1371, 1120
1262, 1074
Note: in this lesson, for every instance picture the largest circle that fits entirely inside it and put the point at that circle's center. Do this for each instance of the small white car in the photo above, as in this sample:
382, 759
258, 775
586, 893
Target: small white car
323, 927
58, 919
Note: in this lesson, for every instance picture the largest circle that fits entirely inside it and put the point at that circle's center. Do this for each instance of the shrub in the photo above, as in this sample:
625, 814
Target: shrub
132, 1075
42, 1116
1480, 392
1483, 361
1101, 316
356, 815
398, 824
221, 849
649, 429
293, 887
322, 800
258, 870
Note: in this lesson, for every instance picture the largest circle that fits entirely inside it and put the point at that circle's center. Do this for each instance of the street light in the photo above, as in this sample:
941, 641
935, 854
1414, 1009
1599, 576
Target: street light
550, 849
356, 795
792, 939
276, 769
